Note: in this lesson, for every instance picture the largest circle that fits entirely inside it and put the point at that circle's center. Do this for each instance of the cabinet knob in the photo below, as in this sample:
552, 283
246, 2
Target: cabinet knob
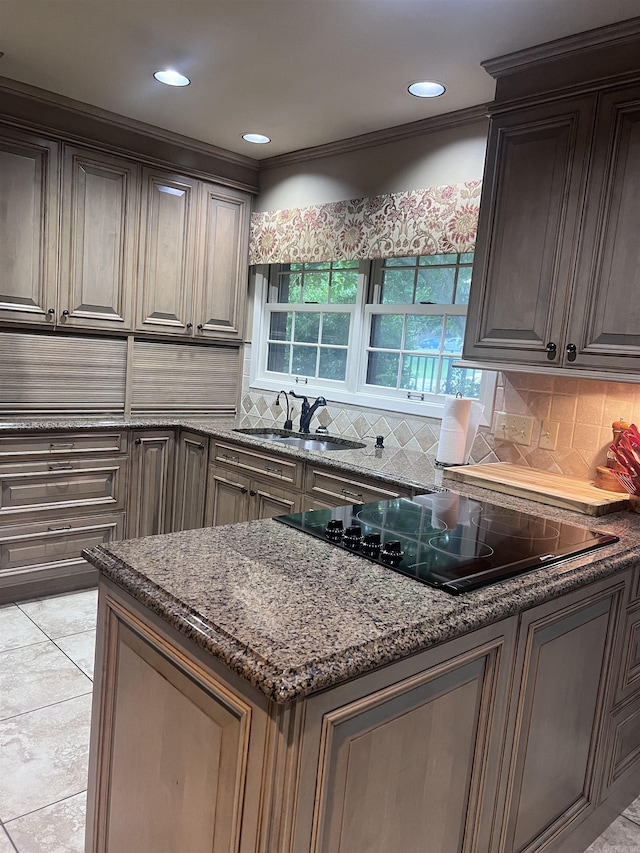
552, 349
244, 490
51, 311
252, 493
65, 313
138, 441
200, 327
572, 350
189, 325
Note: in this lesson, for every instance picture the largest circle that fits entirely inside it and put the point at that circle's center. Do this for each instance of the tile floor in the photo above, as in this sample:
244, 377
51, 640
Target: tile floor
46, 671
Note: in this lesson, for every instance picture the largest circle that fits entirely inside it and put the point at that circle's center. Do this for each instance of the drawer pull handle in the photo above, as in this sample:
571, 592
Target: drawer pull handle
61, 467
229, 457
55, 529
272, 470
349, 494
63, 444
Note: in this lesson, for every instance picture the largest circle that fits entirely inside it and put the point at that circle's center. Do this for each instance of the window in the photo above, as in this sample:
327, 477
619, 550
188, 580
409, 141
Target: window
382, 333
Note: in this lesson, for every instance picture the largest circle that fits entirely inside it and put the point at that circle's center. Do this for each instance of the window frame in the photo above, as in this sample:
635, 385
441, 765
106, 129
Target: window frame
353, 391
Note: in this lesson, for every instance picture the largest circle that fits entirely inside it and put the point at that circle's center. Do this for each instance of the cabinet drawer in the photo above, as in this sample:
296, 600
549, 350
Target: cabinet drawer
57, 542
28, 446
622, 747
274, 467
39, 487
336, 489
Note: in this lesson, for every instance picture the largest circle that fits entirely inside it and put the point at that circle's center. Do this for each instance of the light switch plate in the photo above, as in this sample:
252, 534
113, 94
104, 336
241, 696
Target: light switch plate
518, 429
549, 434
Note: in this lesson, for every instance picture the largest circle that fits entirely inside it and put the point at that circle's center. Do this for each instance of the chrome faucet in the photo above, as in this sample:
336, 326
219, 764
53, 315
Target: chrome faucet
288, 424
307, 410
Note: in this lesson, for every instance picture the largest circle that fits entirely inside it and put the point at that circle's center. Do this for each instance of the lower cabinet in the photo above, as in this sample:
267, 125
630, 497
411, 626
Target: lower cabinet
151, 480
190, 481
328, 488
233, 497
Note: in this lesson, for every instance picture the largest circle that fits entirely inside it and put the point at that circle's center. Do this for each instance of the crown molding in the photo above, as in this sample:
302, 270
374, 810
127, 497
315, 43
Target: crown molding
378, 137
601, 36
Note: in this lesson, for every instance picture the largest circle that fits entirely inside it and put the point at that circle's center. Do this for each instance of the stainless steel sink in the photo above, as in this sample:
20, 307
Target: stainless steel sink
320, 443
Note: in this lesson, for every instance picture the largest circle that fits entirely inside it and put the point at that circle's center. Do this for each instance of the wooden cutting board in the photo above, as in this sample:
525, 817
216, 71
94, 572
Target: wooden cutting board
552, 489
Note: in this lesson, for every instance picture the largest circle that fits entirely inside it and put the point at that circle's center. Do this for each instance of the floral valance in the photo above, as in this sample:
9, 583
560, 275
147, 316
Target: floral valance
434, 221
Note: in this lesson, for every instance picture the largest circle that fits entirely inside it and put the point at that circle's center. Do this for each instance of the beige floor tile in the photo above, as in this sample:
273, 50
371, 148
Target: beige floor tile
62, 615
54, 829
5, 845
81, 649
43, 755
16, 629
35, 676
623, 836
633, 811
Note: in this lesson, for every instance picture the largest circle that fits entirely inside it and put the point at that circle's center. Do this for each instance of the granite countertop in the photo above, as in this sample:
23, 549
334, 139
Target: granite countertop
293, 614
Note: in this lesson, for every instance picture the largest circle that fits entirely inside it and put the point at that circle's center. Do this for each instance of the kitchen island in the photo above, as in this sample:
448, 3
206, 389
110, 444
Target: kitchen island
258, 690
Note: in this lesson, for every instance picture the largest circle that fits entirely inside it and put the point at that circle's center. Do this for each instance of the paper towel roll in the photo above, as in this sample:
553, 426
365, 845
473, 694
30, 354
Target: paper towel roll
460, 421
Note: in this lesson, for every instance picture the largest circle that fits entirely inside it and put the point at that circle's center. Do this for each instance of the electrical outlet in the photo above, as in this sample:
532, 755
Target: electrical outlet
518, 429
549, 435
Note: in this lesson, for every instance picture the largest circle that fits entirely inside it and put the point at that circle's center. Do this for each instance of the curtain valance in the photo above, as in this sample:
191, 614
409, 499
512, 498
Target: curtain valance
433, 221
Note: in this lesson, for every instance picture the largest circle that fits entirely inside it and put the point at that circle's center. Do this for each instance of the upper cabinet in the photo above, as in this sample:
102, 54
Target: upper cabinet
28, 227
99, 237
138, 248
557, 252
193, 258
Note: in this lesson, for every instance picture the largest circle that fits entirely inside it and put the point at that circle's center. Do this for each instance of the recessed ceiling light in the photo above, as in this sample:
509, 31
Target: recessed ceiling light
171, 78
256, 138
426, 89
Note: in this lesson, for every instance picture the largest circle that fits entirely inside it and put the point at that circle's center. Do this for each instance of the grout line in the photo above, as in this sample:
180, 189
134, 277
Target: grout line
40, 808
9, 839
50, 705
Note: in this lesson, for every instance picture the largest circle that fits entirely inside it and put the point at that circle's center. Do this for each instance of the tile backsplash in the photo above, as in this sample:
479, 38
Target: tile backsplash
583, 408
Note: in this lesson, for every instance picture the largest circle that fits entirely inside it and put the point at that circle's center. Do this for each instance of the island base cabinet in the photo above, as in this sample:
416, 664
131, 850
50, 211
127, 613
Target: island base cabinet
559, 712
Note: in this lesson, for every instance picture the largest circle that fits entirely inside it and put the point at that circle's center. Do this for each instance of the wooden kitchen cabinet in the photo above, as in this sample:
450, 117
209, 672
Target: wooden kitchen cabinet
99, 240
233, 497
557, 254
29, 178
328, 488
190, 481
151, 481
193, 258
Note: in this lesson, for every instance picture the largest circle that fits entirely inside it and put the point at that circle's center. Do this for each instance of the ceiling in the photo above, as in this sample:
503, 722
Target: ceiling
304, 72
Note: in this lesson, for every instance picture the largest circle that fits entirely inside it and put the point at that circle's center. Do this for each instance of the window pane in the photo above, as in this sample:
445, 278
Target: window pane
424, 333
335, 329
436, 285
466, 258
344, 286
346, 265
383, 369
397, 287
333, 363
459, 380
401, 262
454, 334
419, 373
316, 287
278, 358
290, 288
280, 326
435, 260
317, 265
386, 331
463, 286
303, 361
307, 327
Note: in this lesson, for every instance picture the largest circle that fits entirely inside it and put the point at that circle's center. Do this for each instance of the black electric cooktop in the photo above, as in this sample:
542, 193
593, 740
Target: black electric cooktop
447, 540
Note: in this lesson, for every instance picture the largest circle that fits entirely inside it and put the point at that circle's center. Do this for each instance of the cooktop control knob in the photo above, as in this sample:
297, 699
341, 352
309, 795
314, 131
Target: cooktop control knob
352, 537
392, 553
334, 530
371, 545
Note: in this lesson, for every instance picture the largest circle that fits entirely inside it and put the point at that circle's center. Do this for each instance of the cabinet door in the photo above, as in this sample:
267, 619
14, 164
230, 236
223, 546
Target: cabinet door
605, 316
166, 283
223, 241
268, 500
28, 227
564, 655
151, 486
529, 215
191, 480
99, 228
227, 497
